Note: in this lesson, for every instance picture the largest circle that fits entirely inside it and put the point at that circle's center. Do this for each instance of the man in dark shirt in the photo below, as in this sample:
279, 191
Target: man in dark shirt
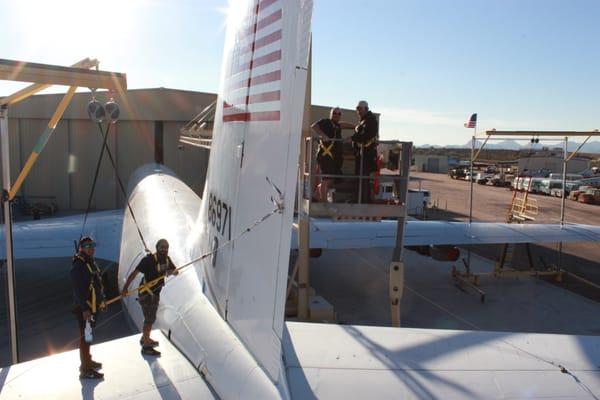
330, 154
366, 135
155, 267
88, 298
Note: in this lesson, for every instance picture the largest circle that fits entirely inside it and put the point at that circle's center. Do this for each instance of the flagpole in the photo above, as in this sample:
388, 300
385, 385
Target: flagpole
471, 176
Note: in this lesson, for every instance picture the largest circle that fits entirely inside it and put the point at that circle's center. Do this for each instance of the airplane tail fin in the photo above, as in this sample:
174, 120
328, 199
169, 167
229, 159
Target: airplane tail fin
253, 168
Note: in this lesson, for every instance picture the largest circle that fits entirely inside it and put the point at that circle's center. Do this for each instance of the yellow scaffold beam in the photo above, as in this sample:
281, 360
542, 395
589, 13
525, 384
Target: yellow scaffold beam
30, 90
41, 143
57, 75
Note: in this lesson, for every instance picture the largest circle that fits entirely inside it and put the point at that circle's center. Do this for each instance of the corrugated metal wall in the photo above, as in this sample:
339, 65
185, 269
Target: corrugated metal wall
65, 169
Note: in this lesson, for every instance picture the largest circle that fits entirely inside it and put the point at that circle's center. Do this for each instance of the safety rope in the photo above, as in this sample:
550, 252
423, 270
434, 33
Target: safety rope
98, 164
148, 285
122, 187
277, 210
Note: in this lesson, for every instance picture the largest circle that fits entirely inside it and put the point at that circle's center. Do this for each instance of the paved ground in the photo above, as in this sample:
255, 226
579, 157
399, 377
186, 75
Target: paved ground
356, 283
491, 203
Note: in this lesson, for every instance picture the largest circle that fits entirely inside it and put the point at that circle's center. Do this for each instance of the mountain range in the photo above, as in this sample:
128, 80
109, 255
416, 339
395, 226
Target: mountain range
590, 147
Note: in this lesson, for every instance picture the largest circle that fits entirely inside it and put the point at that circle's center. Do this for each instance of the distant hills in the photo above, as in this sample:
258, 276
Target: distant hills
590, 147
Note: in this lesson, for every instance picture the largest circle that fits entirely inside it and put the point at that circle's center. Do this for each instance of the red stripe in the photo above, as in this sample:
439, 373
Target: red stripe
257, 80
252, 116
263, 23
262, 42
266, 3
255, 98
257, 62
274, 17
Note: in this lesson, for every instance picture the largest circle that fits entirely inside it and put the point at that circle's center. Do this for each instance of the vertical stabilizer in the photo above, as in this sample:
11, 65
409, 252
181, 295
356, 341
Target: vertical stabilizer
256, 140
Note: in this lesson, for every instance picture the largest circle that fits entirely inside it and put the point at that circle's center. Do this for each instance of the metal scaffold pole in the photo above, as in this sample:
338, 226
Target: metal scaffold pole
562, 200
12, 309
471, 189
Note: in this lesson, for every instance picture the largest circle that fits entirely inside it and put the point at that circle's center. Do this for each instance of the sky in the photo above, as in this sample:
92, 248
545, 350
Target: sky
425, 65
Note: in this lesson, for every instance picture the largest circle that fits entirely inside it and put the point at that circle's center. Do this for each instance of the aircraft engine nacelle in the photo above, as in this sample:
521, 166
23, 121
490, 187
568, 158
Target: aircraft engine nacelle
438, 253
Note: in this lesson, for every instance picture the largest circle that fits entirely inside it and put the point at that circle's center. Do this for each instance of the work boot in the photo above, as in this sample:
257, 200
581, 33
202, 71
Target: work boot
150, 351
151, 343
91, 374
95, 365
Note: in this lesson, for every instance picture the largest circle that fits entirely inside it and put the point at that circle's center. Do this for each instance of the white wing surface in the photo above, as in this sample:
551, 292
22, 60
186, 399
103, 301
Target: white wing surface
357, 362
53, 237
127, 375
326, 234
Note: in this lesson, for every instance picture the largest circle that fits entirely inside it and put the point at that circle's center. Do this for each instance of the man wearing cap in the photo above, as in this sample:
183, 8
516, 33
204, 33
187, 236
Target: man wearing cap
88, 297
330, 155
155, 268
364, 140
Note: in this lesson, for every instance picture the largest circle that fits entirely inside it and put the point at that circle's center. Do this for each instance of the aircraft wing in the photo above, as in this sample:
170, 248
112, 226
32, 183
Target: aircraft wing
127, 375
336, 361
327, 234
53, 237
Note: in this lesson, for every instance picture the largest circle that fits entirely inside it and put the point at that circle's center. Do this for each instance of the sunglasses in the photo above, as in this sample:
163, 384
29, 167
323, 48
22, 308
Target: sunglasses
337, 113
89, 245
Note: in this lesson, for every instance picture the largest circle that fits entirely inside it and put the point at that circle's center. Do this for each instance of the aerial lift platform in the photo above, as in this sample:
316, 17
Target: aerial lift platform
303, 301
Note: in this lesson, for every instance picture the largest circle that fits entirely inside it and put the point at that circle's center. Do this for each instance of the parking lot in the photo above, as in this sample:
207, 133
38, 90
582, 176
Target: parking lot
450, 198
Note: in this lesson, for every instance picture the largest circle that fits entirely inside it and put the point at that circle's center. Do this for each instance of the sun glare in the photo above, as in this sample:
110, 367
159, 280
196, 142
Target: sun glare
235, 12
76, 29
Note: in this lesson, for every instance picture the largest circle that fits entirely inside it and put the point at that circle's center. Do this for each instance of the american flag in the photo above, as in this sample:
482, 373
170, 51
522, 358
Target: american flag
472, 123
253, 88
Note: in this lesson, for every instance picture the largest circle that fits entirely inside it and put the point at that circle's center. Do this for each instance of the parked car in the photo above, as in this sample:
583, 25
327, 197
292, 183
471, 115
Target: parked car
457, 173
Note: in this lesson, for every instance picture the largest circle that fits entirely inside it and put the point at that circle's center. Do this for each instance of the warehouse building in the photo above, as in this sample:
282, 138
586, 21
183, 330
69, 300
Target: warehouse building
148, 131
432, 163
552, 162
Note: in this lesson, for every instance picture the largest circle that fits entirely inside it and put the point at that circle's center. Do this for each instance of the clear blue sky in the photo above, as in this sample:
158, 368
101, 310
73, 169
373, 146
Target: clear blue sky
425, 65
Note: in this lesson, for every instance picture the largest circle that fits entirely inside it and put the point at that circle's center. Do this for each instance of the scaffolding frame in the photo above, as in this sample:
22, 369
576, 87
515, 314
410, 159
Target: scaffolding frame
84, 73
308, 209
540, 136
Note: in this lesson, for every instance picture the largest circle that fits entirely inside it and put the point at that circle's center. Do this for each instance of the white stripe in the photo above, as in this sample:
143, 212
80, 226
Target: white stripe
257, 71
234, 110
248, 39
260, 52
265, 12
269, 106
265, 87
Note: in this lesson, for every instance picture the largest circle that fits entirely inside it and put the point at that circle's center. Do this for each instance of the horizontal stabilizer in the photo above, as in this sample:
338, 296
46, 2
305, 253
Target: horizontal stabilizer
127, 375
327, 234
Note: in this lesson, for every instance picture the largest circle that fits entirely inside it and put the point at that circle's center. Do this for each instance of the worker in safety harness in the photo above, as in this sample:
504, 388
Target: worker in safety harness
155, 268
364, 141
330, 154
88, 296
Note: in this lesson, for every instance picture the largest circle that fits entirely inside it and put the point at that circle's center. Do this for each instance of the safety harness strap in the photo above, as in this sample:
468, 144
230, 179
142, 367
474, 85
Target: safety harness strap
327, 149
147, 287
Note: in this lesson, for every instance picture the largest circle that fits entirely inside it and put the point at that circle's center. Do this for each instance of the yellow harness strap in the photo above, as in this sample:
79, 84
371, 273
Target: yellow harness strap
327, 149
92, 302
146, 287
370, 142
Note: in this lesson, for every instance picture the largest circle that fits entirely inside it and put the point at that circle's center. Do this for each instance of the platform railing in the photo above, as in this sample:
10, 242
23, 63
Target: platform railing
359, 208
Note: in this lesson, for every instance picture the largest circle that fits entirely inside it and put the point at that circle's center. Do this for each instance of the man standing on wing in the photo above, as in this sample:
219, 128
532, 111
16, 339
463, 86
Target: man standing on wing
155, 268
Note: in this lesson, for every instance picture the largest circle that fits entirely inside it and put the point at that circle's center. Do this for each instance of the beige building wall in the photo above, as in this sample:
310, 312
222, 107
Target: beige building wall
84, 150
431, 163
65, 169
554, 164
